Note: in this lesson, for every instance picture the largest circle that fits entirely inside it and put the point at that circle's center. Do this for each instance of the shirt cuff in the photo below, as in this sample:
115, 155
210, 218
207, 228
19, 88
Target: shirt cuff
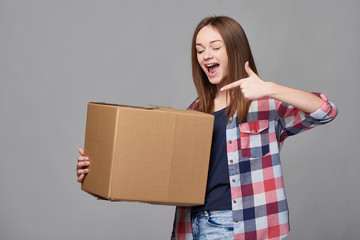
326, 112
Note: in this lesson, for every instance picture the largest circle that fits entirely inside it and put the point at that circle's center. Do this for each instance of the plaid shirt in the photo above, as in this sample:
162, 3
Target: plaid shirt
259, 204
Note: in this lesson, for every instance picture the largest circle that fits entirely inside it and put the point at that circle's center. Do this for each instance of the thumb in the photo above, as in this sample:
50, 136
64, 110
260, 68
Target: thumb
248, 70
81, 151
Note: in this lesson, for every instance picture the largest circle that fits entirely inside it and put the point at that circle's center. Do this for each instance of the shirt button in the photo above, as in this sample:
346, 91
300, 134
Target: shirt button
255, 130
231, 161
230, 142
236, 220
233, 180
234, 201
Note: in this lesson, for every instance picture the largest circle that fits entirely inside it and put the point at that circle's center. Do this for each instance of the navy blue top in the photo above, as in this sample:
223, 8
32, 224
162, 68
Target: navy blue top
218, 194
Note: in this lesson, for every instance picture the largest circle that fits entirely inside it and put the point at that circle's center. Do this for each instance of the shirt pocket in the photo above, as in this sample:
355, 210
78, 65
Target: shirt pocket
254, 138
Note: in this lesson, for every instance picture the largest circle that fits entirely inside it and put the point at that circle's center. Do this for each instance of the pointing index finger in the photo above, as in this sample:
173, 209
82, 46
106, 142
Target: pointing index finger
231, 86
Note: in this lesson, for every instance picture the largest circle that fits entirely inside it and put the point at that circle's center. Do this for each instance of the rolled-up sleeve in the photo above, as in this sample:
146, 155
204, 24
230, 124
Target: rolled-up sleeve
326, 113
294, 121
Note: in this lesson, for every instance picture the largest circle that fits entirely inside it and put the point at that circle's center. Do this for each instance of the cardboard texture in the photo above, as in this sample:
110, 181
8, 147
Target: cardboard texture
156, 155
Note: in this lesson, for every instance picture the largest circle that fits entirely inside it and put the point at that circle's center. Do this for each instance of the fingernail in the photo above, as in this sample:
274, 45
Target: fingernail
86, 170
221, 89
86, 158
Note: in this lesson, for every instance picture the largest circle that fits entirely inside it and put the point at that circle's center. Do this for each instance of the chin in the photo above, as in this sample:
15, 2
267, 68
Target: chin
215, 81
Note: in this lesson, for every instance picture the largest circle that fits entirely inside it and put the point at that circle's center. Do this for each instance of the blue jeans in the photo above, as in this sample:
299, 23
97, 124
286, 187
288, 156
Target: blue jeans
211, 225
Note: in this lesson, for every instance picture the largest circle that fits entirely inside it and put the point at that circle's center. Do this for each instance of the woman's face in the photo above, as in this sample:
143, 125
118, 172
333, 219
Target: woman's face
211, 54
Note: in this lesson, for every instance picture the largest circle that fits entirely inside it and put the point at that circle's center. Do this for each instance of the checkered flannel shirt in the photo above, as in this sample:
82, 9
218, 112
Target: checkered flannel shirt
259, 204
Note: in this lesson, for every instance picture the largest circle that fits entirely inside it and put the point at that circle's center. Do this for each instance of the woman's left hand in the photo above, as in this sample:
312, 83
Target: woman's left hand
254, 88
251, 87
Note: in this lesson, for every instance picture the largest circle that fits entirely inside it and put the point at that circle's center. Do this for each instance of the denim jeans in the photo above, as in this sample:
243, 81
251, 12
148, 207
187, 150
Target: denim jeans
211, 225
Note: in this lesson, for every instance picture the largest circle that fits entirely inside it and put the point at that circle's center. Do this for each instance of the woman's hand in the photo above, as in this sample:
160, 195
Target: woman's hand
254, 88
251, 87
82, 166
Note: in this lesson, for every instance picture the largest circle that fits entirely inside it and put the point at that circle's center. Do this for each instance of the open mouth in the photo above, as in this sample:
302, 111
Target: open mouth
212, 68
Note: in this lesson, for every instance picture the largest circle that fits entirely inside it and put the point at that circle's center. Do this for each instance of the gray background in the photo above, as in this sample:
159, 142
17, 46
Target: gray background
58, 55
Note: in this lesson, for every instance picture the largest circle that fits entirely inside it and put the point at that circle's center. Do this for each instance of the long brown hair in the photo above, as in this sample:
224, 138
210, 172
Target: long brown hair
238, 51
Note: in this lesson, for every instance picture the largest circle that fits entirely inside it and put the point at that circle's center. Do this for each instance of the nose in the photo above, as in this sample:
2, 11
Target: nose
207, 54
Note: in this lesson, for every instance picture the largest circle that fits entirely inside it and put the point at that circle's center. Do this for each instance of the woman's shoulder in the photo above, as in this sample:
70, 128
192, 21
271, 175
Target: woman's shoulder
194, 105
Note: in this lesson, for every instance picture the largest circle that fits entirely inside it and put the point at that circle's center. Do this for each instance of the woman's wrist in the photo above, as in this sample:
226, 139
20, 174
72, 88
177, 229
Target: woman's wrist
272, 89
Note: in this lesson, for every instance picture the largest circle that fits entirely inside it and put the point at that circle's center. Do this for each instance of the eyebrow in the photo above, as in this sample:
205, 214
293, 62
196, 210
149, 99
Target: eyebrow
199, 44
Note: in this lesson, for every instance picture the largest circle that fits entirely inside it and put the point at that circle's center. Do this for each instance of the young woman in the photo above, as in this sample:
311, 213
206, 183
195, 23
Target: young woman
245, 197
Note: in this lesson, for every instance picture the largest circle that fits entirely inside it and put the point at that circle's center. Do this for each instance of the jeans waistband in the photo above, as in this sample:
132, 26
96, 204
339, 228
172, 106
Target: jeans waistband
207, 213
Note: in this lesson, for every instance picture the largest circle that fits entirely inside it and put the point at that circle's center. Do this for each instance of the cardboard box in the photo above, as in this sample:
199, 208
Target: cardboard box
156, 155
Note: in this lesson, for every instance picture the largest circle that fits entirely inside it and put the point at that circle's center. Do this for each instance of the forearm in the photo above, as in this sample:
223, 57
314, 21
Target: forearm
304, 101
254, 88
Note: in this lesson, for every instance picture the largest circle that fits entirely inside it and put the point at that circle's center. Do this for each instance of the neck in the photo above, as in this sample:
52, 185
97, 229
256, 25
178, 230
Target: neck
221, 100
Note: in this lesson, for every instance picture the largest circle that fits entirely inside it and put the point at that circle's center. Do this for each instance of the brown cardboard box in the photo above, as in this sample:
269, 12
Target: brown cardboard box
156, 155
